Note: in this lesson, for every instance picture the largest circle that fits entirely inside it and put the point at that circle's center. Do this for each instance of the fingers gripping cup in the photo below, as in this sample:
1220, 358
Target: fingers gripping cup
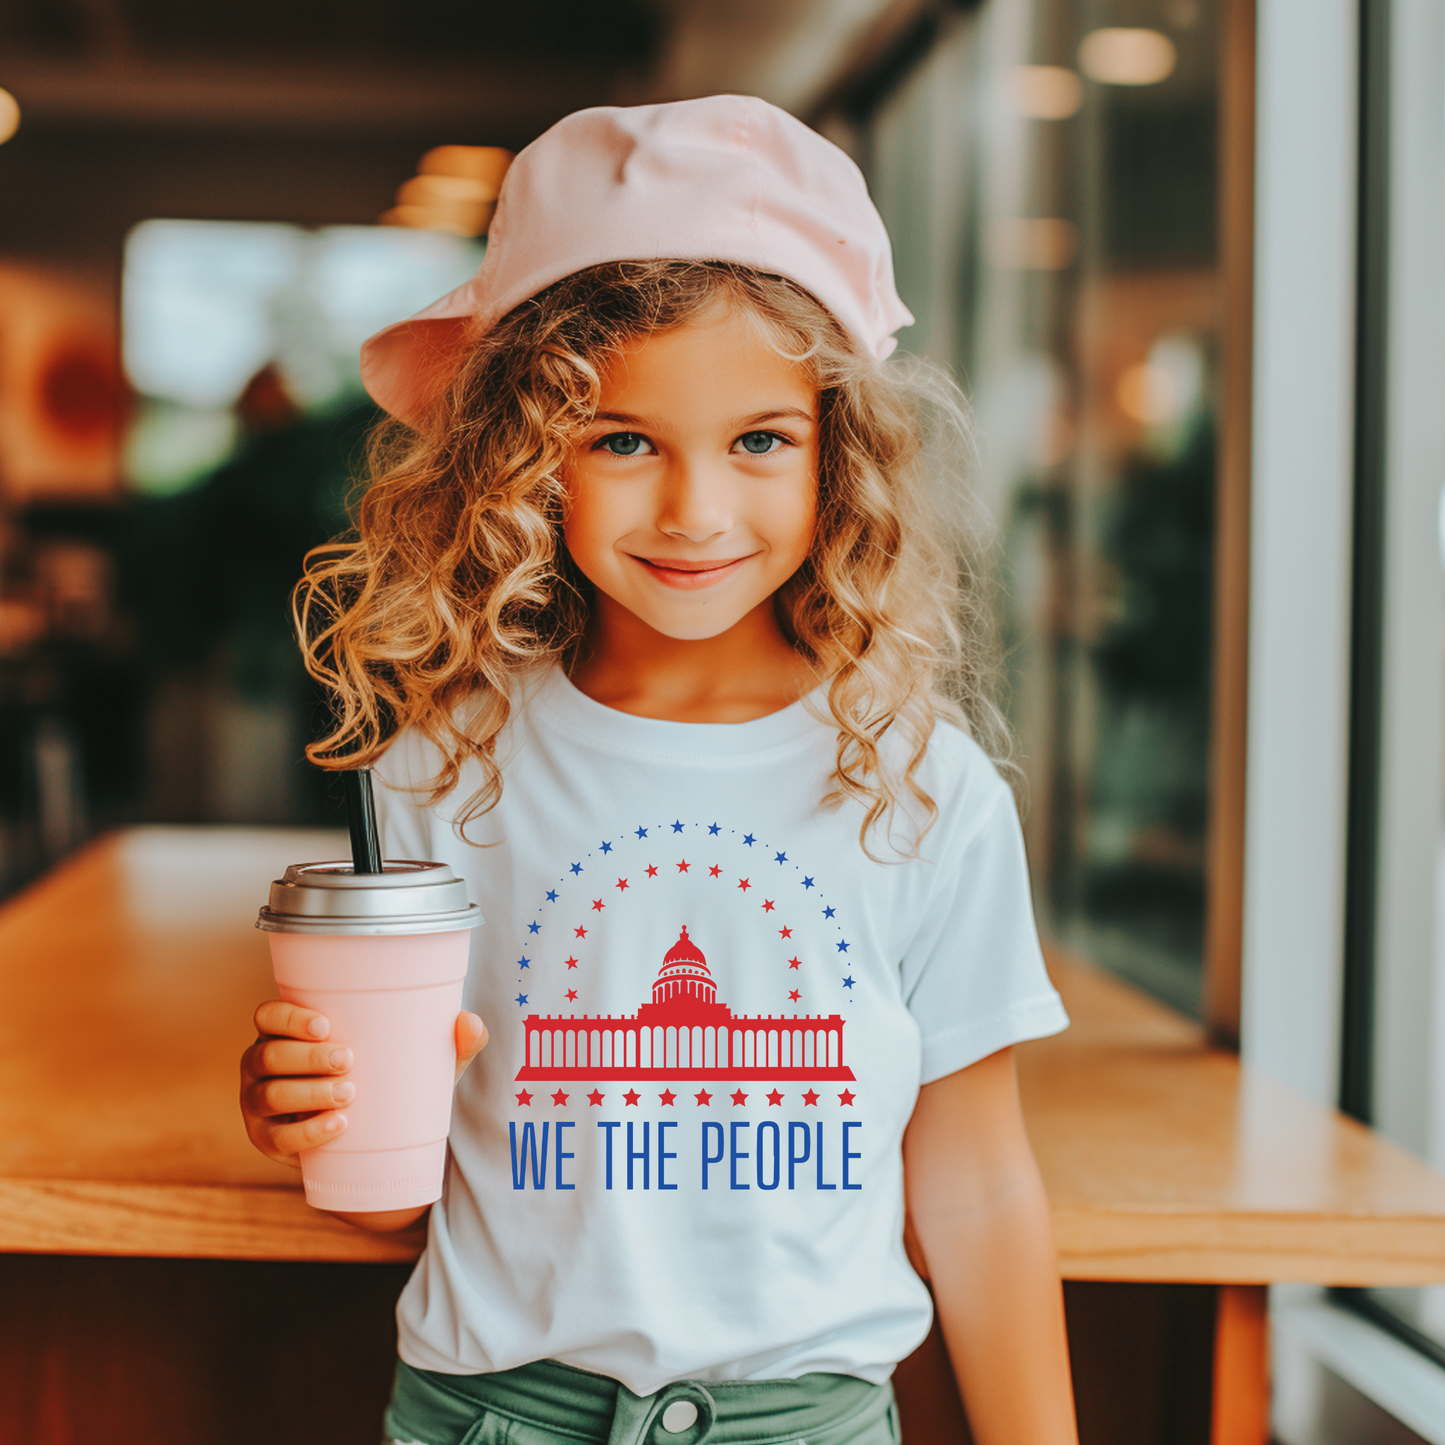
384, 956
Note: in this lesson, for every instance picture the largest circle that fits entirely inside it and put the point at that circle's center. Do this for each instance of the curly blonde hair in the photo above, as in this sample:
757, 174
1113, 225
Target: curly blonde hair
455, 579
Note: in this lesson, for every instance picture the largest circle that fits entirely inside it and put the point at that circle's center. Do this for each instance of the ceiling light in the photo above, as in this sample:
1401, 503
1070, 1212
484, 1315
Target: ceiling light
487, 164
455, 190
454, 219
1045, 92
9, 116
425, 190
1118, 56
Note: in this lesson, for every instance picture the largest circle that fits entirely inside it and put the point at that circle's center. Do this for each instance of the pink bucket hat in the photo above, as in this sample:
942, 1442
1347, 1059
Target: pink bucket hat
725, 178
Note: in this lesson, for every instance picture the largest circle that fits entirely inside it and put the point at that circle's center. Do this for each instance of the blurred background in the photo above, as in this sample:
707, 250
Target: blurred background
190, 256
1183, 256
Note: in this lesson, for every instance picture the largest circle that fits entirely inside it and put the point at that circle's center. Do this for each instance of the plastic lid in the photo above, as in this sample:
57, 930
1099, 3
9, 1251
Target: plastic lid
407, 897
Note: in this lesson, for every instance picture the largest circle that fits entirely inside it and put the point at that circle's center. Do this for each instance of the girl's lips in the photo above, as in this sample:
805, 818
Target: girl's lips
689, 575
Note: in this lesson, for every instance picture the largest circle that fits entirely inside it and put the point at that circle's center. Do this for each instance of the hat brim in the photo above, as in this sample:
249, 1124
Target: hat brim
405, 365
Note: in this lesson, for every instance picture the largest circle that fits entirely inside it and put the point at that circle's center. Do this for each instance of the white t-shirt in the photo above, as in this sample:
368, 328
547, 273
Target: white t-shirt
710, 1012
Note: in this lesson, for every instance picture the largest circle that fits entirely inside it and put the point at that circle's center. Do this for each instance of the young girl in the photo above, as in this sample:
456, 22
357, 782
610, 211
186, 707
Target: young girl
645, 625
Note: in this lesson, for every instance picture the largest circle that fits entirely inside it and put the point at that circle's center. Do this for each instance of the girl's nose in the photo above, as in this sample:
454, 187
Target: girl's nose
694, 502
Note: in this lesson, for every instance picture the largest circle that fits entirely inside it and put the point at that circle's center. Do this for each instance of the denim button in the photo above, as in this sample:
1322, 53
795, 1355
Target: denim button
679, 1416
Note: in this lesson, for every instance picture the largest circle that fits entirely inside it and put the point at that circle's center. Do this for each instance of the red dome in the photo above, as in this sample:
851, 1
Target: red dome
684, 951
684, 974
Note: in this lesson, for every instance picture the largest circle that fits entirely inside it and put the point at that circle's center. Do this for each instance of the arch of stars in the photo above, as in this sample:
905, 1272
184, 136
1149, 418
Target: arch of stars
663, 832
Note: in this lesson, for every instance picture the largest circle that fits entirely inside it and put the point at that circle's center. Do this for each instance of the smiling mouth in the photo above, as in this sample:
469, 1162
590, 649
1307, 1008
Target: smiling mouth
676, 572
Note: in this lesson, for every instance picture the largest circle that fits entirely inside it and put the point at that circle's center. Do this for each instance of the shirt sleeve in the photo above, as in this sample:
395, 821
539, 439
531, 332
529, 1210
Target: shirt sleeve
973, 977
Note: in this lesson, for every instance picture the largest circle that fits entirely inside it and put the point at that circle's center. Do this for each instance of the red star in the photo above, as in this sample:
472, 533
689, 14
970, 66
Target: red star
524, 1097
595, 1097
740, 1097
703, 1097
598, 904
571, 995
683, 866
767, 905
579, 932
621, 883
774, 1098
651, 870
846, 1097
795, 963
785, 933
571, 963
559, 1097
715, 870
744, 884
794, 995
632, 1096
667, 1096
810, 1097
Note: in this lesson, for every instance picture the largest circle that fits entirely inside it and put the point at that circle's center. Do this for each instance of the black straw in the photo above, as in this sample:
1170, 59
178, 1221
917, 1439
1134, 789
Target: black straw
361, 815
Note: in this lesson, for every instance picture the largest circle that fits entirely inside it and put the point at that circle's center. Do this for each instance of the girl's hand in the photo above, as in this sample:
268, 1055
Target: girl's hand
293, 1083
471, 1039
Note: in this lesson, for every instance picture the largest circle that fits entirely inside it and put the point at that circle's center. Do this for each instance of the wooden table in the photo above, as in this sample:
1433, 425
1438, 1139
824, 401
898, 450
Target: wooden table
127, 980
1166, 1161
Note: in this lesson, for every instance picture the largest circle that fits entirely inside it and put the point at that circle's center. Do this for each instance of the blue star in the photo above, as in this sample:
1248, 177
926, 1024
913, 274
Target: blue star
677, 827
576, 869
551, 895
780, 858
521, 999
807, 883
642, 832
829, 911
524, 962
847, 983
534, 928
842, 945
748, 840
606, 846
713, 829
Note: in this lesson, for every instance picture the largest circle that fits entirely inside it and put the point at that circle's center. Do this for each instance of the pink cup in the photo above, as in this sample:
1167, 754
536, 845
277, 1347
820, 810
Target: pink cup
384, 957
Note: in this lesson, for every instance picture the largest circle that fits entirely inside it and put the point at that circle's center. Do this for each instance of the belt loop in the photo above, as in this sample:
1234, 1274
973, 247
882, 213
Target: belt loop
643, 1419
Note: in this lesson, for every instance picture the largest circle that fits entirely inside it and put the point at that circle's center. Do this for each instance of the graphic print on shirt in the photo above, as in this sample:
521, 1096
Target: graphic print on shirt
767, 924
684, 1033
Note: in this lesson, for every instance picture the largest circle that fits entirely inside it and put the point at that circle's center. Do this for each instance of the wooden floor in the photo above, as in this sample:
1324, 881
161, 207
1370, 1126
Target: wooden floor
160, 1281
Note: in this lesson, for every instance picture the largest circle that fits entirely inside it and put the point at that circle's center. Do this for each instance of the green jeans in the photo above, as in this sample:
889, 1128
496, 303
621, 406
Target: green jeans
552, 1404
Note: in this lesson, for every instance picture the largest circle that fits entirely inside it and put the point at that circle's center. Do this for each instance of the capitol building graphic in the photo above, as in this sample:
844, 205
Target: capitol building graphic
684, 1033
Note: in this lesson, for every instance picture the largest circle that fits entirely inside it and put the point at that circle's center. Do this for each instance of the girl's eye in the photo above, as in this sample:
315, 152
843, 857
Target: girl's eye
623, 444
760, 443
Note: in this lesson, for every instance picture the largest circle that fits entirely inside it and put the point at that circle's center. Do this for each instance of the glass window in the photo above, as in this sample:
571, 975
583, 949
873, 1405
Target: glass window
210, 305
1393, 1062
1050, 179
241, 340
